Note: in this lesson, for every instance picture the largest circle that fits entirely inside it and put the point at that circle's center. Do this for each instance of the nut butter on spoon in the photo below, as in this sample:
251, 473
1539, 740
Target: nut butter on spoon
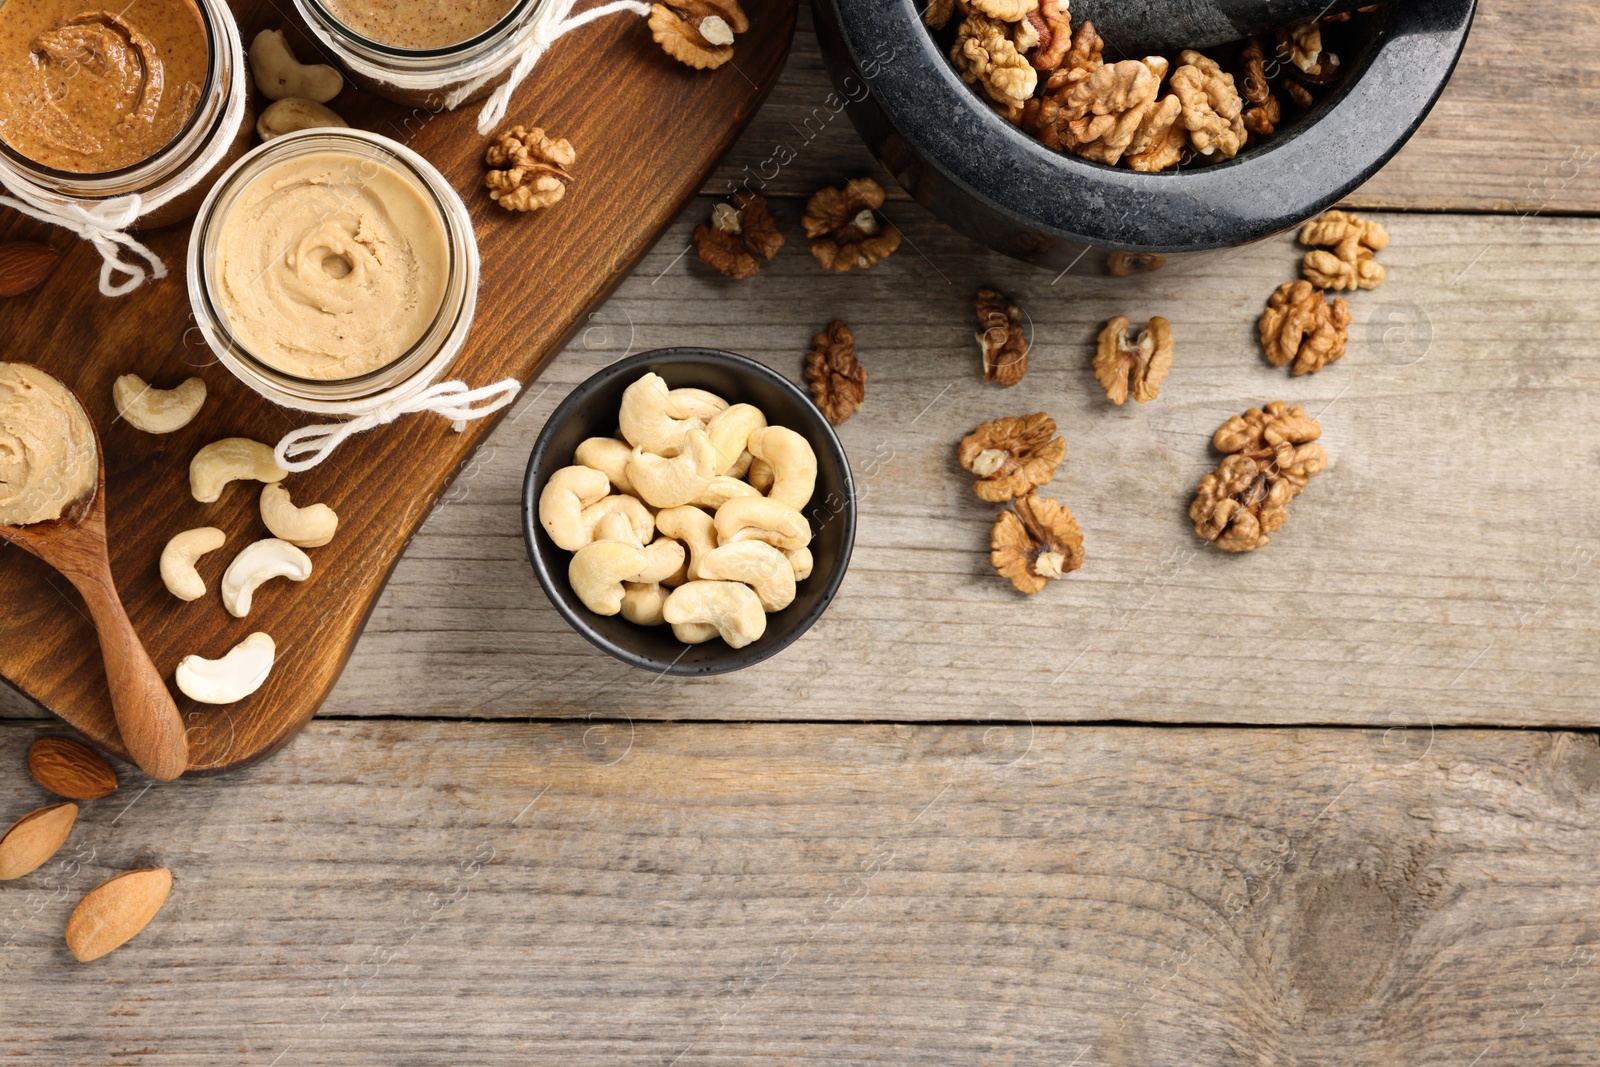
51, 505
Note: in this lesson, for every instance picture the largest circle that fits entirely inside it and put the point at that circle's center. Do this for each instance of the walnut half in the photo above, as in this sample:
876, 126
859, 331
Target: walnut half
838, 380
1036, 544
531, 168
844, 228
1271, 455
737, 234
1354, 241
1135, 367
1012, 456
698, 33
1298, 326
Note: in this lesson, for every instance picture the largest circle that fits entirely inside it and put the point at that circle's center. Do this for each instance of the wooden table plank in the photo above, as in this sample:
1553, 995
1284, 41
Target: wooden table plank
766, 894
1517, 130
1446, 562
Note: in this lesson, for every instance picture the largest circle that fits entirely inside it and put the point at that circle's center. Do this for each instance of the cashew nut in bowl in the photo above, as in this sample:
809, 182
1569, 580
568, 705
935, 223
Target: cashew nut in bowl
228, 460
644, 420
760, 518
309, 527
179, 557
760, 474
694, 633
793, 463
609, 455
259, 563
278, 74
598, 570
153, 410
694, 404
758, 565
663, 558
644, 524
677, 577
293, 114
800, 559
615, 526
729, 430
694, 528
233, 677
669, 483
562, 501
733, 608
641, 603
722, 489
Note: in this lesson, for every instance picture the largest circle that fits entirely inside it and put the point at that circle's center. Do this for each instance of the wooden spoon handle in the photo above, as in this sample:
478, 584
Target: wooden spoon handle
147, 718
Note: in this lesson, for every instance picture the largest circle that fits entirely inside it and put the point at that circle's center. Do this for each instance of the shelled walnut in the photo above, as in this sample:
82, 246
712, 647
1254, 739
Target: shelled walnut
698, 33
1270, 455
844, 228
1263, 111
1037, 543
1354, 241
530, 168
1133, 367
1001, 340
1051, 23
737, 234
986, 54
1115, 110
1012, 456
1300, 327
1212, 108
838, 380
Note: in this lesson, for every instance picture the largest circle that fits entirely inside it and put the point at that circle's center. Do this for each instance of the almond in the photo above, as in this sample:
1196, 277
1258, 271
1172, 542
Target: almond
24, 265
34, 838
70, 768
114, 911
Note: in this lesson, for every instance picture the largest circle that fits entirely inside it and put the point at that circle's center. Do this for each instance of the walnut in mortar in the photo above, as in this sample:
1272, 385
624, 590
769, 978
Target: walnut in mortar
1354, 241
1263, 111
1298, 326
838, 380
1212, 108
737, 234
844, 229
1012, 456
1116, 110
1000, 337
1051, 22
1138, 366
532, 169
988, 53
1036, 544
698, 33
1271, 455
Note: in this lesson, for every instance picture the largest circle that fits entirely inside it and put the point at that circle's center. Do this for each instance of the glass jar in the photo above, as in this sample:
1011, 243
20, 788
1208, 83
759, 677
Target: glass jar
434, 79
423, 363
171, 183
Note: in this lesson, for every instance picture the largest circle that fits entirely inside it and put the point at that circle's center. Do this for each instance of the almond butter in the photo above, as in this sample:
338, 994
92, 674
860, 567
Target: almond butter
24, 265
34, 838
70, 768
114, 911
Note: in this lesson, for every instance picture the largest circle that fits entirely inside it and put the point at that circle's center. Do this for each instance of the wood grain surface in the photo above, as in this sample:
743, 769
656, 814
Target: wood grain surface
646, 134
774, 894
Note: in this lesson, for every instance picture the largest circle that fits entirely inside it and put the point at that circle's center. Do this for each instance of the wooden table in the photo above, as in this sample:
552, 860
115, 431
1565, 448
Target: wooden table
942, 828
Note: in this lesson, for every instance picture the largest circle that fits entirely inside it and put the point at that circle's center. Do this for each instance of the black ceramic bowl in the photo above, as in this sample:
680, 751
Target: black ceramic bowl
591, 411
995, 183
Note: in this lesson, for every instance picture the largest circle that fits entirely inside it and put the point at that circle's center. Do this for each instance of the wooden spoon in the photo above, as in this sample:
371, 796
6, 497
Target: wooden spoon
75, 545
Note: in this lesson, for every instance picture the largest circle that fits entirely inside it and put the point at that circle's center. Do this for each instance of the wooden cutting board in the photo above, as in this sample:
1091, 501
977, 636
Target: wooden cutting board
647, 132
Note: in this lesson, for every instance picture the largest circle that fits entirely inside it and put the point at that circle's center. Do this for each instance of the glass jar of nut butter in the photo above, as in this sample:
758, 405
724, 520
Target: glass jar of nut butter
431, 54
106, 100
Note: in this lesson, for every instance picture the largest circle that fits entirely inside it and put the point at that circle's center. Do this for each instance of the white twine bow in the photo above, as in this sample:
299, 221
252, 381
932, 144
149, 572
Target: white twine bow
551, 22
453, 400
102, 226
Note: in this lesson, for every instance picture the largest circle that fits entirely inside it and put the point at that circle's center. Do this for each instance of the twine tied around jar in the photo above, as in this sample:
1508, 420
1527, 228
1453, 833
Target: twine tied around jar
454, 400
553, 20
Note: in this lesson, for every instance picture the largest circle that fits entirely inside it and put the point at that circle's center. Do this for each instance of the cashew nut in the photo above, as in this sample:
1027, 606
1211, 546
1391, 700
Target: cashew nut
292, 114
760, 474
615, 526
231, 459
669, 483
562, 500
598, 570
641, 603
679, 576
733, 608
694, 404
722, 489
233, 677
729, 431
694, 633
279, 75
694, 528
178, 560
663, 558
258, 563
756, 564
608, 455
800, 559
644, 420
153, 410
644, 524
309, 527
793, 463
760, 518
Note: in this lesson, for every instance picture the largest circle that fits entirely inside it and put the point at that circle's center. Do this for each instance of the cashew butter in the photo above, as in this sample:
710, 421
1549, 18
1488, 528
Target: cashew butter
47, 451
330, 266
